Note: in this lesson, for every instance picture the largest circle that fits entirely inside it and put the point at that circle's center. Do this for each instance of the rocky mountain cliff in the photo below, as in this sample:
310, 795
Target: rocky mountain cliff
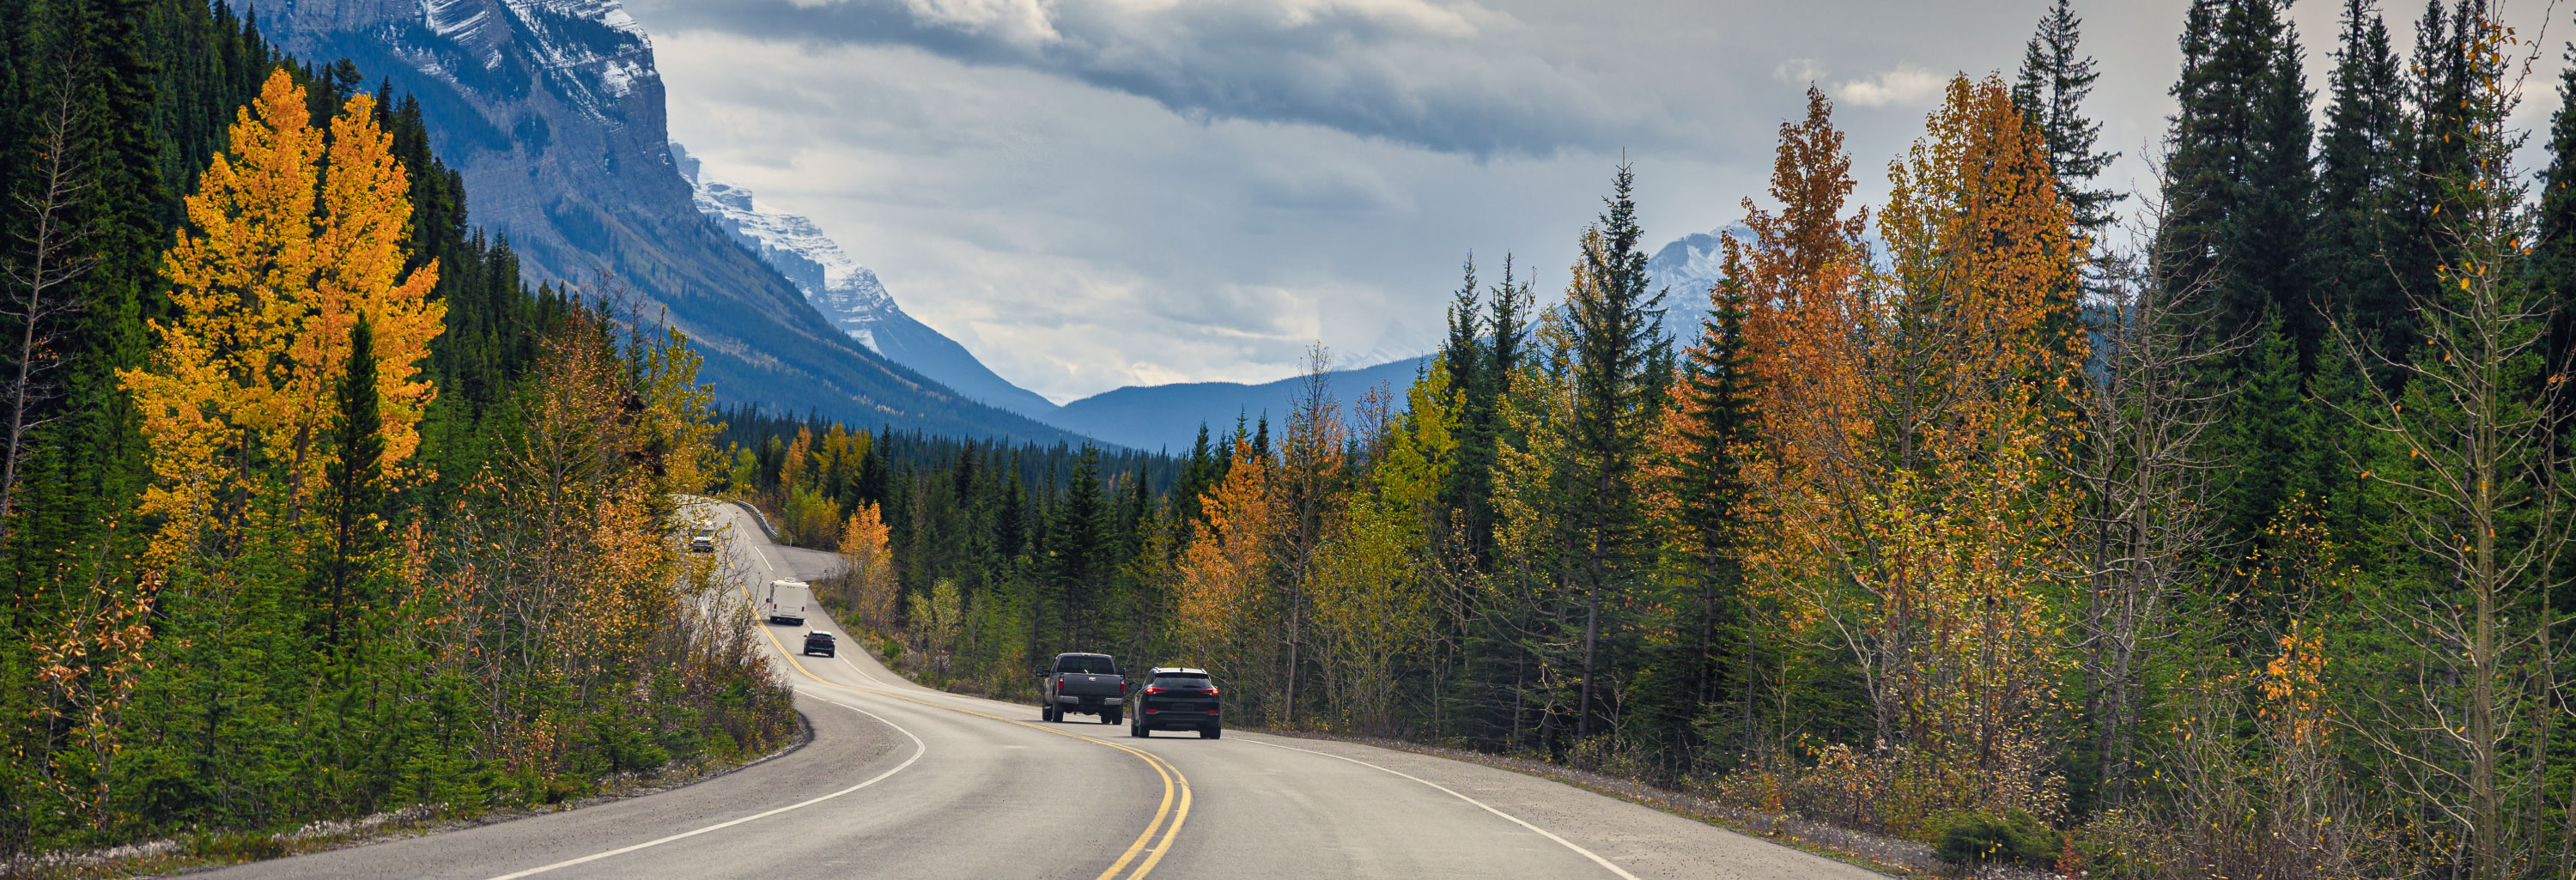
848, 294
553, 112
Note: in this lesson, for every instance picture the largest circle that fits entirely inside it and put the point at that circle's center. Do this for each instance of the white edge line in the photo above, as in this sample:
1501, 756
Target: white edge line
918, 749
1516, 820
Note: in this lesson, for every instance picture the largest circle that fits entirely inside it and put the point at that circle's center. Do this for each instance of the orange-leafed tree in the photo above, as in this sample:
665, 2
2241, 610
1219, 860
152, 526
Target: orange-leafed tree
1975, 375
1804, 310
1798, 282
291, 237
1915, 422
1222, 596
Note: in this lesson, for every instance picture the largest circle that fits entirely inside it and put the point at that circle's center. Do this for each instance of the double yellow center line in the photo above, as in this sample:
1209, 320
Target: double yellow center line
1171, 775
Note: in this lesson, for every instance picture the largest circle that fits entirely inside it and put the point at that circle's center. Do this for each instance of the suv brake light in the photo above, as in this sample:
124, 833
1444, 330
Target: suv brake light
1211, 691
1151, 690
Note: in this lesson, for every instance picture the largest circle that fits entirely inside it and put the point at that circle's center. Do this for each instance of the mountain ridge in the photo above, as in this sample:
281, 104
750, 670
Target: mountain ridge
553, 113
848, 294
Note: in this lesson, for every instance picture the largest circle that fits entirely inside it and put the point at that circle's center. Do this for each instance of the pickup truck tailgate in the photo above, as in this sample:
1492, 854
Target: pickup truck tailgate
1076, 684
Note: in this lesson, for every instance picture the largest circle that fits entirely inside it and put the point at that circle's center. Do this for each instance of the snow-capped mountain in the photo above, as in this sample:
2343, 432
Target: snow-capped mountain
848, 294
1685, 269
552, 112
845, 292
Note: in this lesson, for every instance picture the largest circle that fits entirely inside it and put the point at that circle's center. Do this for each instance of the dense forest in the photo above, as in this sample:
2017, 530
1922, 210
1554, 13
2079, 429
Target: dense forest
2206, 531
310, 507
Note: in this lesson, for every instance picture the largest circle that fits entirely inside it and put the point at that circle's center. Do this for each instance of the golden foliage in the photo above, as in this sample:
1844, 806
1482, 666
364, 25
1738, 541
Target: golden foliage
1218, 603
870, 581
288, 242
1911, 435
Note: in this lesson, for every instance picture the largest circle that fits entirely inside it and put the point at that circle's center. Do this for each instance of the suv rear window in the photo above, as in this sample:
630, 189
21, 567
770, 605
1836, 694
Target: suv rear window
1182, 676
1092, 665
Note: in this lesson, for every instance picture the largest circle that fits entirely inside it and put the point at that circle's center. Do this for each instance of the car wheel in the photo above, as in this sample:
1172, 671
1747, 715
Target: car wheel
1046, 714
1211, 732
1137, 728
1110, 717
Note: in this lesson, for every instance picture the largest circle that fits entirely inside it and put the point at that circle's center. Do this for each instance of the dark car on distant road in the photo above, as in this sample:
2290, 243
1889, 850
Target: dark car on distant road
1176, 698
818, 642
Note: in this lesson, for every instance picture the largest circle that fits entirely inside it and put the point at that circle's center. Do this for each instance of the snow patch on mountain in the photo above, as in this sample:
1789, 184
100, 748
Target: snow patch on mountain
454, 18
848, 294
593, 46
608, 12
1684, 270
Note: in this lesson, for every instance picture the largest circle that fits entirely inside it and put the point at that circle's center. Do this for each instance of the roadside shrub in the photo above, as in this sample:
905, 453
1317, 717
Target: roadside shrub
1985, 839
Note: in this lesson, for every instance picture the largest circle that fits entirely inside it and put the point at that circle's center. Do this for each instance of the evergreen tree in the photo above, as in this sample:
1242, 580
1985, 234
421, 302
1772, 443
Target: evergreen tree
1703, 667
2437, 86
2240, 184
2362, 176
354, 505
1466, 495
2050, 92
1614, 329
2553, 256
1080, 546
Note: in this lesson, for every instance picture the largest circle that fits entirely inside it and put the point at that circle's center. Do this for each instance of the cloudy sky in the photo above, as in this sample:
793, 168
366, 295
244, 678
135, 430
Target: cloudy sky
1097, 193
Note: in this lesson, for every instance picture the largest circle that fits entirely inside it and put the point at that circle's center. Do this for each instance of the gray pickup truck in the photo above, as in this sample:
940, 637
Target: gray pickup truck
1086, 684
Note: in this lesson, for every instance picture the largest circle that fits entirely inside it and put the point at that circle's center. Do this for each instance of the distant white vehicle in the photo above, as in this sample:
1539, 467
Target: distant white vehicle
702, 540
787, 602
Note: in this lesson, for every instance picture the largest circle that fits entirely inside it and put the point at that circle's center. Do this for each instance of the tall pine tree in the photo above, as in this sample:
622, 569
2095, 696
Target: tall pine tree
2240, 185
2051, 90
2362, 176
1614, 330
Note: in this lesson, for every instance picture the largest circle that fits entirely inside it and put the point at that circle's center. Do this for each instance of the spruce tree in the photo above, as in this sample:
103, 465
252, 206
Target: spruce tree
2362, 176
2050, 92
1466, 492
355, 503
1702, 669
1614, 328
2437, 87
1080, 544
2240, 187
2553, 255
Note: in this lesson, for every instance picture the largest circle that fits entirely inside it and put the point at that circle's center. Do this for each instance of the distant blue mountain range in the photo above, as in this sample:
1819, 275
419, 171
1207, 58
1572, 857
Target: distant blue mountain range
1167, 417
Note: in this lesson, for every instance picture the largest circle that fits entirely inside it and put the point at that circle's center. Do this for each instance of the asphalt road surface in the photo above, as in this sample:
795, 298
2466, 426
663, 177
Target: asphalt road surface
902, 781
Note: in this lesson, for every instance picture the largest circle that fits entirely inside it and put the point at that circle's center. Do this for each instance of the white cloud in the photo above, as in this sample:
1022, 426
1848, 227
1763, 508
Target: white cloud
1021, 22
1907, 85
1183, 190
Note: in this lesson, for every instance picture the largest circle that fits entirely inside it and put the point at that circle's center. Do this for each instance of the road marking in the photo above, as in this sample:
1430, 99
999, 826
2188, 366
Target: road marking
918, 749
1516, 820
1169, 773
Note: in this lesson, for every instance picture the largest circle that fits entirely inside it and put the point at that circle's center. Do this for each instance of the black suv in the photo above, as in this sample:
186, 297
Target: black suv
1176, 698
818, 642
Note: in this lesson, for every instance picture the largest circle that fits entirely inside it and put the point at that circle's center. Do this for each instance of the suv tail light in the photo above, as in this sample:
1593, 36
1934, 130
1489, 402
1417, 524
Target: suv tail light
1211, 691
1151, 690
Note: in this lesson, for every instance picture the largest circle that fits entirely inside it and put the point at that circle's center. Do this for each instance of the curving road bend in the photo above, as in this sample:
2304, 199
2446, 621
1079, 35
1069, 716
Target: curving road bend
901, 780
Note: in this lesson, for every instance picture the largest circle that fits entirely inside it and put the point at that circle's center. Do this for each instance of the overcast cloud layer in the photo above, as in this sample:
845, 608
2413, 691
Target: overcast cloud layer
1096, 194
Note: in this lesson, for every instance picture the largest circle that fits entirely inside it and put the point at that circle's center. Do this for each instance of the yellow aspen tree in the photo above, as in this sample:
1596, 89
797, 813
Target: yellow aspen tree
1372, 610
290, 237
869, 585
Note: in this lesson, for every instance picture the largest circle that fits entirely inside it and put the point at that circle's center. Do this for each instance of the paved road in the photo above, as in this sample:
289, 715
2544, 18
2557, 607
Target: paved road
905, 781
